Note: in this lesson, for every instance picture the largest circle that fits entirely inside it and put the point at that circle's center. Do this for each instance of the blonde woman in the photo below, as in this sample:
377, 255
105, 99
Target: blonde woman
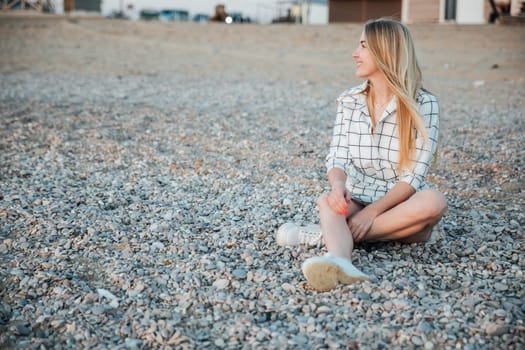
384, 140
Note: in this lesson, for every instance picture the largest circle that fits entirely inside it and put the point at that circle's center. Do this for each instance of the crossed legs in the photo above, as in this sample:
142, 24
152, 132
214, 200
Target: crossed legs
409, 222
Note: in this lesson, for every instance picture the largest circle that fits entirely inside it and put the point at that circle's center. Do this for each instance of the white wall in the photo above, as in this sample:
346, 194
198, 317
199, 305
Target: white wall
470, 12
515, 7
59, 6
318, 14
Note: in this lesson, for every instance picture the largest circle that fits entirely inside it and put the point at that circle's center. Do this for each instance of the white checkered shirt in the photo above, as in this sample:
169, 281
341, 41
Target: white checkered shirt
370, 160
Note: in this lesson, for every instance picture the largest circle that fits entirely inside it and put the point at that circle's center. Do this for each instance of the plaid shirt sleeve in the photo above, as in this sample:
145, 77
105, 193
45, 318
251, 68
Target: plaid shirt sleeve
338, 155
429, 111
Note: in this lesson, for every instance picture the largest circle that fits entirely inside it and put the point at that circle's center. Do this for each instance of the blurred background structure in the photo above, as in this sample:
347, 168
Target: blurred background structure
37, 5
309, 12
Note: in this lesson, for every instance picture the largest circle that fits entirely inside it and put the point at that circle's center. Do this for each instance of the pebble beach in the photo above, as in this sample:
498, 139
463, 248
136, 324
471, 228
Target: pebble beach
145, 168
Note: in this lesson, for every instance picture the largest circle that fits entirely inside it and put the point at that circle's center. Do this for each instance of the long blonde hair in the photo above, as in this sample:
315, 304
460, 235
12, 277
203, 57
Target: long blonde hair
392, 47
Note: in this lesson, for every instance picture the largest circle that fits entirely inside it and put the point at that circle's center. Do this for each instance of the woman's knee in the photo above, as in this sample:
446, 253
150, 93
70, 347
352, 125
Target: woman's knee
434, 204
322, 201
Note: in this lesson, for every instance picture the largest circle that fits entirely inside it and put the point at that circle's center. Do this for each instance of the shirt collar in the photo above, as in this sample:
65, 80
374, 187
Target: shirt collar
391, 106
358, 99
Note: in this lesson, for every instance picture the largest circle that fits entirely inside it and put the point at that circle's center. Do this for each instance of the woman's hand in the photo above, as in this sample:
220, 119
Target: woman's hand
338, 199
361, 223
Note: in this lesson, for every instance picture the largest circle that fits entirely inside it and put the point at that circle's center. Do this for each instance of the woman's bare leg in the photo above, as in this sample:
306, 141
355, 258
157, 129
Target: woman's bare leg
336, 234
411, 221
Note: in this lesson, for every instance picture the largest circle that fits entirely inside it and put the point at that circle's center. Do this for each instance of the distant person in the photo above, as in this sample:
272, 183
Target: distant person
220, 14
384, 140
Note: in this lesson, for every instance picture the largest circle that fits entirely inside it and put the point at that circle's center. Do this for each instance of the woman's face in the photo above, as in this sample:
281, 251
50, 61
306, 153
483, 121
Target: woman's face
366, 66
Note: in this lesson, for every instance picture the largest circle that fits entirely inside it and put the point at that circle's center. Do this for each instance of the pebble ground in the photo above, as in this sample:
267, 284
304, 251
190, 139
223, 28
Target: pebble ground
145, 167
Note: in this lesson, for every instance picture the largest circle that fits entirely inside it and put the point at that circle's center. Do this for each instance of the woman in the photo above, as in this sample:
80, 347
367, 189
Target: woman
384, 139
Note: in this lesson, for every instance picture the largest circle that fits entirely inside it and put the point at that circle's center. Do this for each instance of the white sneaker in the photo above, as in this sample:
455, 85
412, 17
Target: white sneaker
291, 234
326, 272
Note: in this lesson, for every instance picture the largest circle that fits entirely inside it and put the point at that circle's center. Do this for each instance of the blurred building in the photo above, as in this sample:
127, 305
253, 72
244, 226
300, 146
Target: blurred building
149, 14
82, 5
201, 17
56, 6
171, 15
410, 11
38, 5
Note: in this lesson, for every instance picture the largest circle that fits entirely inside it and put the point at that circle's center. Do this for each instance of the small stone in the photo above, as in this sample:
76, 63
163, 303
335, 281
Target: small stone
57, 323
259, 277
388, 305
495, 329
260, 335
363, 296
249, 276
42, 333
288, 287
300, 339
17, 272
429, 345
466, 252
21, 328
106, 294
156, 246
482, 249
425, 327
500, 286
500, 313
98, 309
221, 283
323, 309
416, 340
478, 83
5, 313
139, 287
134, 343
239, 274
